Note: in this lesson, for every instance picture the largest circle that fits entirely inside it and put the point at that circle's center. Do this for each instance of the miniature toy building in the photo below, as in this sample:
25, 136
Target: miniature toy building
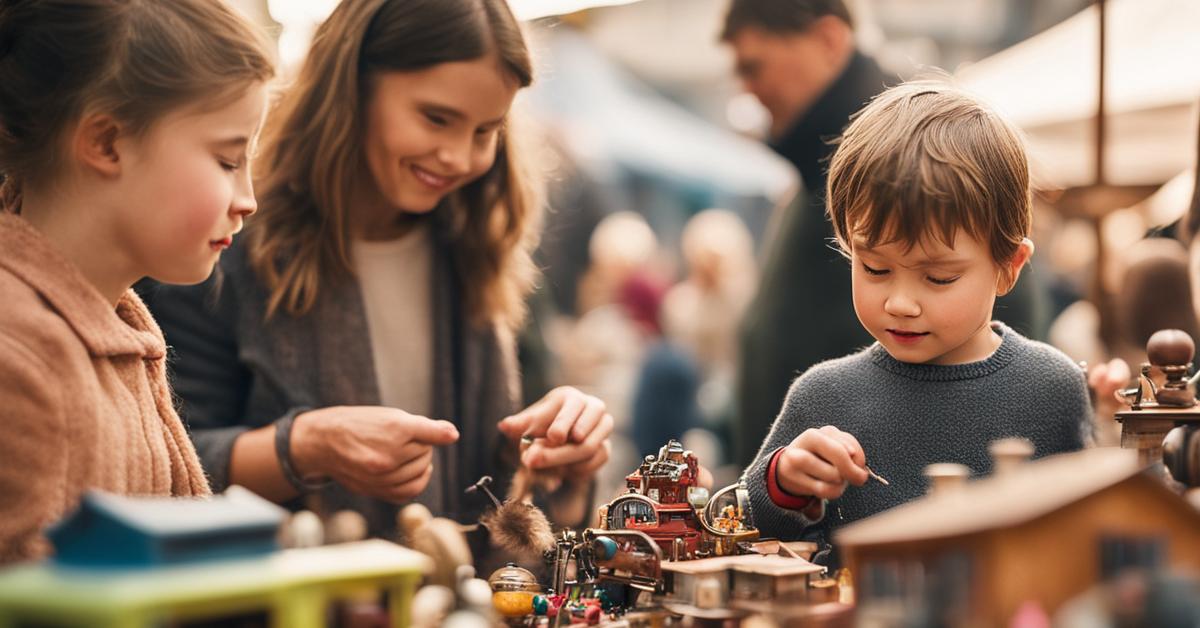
665, 503
731, 587
1043, 531
1157, 410
133, 562
116, 531
293, 588
667, 546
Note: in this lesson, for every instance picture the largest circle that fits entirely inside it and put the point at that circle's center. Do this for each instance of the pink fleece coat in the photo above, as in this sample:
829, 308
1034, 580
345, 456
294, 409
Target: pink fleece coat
84, 401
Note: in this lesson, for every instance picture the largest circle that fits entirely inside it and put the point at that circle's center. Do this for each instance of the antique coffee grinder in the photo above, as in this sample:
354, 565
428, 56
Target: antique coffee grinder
1162, 421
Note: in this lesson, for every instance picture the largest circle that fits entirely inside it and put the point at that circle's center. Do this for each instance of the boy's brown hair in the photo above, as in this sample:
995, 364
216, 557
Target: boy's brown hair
925, 159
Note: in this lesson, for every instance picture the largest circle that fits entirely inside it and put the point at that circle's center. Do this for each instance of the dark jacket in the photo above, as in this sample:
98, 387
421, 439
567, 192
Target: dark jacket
803, 313
233, 370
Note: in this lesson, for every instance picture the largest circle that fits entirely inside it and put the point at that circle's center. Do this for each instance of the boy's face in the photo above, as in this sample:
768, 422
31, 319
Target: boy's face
933, 303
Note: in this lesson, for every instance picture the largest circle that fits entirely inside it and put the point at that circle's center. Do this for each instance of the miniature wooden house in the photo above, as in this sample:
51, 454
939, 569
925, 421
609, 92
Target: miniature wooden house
1040, 532
712, 588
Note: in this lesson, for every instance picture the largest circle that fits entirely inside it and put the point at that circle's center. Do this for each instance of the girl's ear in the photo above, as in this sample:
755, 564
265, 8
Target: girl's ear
1011, 270
96, 144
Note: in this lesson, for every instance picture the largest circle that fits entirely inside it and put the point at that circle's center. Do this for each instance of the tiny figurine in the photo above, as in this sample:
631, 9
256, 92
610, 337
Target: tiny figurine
475, 605
439, 538
302, 529
1160, 420
580, 604
431, 605
345, 526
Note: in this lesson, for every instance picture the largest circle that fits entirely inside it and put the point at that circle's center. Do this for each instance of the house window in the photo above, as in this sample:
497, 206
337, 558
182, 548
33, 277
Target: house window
938, 586
1119, 553
625, 512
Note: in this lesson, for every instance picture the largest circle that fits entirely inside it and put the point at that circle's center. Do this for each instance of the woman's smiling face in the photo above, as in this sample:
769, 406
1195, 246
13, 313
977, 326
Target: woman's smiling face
432, 131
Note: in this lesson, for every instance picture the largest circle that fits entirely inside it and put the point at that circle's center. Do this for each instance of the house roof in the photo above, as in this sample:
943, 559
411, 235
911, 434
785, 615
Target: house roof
236, 509
748, 563
1029, 491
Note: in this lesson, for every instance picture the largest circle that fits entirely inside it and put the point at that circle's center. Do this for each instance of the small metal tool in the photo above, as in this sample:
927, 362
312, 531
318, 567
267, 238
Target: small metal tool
877, 476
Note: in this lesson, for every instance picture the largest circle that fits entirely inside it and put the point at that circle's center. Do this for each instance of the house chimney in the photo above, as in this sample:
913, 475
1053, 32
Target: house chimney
946, 476
1010, 453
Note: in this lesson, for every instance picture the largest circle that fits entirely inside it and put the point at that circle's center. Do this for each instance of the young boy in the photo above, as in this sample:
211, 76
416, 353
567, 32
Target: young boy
929, 198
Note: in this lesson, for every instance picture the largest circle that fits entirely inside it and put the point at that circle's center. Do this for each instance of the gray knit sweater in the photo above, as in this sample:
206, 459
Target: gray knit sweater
907, 416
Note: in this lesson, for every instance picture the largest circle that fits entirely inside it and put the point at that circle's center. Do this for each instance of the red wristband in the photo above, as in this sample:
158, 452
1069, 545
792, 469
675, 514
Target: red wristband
780, 497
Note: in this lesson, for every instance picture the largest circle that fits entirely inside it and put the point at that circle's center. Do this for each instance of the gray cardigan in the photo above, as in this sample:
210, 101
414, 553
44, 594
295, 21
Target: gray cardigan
907, 416
233, 370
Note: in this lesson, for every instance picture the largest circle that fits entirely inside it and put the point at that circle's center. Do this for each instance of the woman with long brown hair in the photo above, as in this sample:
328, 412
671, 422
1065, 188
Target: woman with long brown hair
382, 281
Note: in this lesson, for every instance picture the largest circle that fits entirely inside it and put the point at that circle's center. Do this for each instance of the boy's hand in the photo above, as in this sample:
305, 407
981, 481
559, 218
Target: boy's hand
820, 462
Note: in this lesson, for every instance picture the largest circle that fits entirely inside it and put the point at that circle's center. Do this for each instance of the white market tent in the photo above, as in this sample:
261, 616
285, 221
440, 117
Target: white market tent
610, 118
1048, 85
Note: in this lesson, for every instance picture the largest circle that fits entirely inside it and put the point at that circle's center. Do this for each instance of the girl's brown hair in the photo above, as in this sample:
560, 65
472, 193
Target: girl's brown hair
926, 159
133, 59
312, 154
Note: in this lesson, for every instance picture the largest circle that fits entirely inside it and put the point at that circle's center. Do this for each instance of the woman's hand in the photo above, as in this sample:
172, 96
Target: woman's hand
570, 433
371, 450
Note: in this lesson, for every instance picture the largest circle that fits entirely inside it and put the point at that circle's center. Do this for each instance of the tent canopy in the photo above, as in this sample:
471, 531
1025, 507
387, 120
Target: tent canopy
1048, 86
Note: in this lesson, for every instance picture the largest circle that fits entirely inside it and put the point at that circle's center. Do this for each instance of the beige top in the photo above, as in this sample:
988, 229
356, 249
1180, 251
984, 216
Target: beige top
84, 401
396, 277
397, 288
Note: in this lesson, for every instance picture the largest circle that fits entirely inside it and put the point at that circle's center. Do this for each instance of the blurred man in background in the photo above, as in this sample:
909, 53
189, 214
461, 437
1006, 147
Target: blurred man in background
798, 57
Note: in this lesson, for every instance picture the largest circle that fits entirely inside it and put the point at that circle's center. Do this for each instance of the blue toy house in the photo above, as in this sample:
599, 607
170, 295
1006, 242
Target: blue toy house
114, 531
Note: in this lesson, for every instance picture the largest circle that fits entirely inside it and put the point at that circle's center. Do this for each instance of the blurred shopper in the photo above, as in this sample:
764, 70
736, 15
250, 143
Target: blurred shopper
798, 58
602, 351
701, 313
